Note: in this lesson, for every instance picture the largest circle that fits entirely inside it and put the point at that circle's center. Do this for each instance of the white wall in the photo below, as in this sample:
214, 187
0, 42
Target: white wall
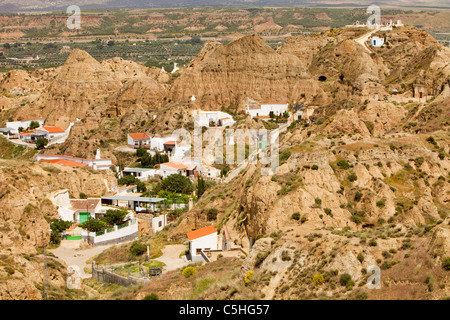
266, 108
157, 220
117, 233
209, 241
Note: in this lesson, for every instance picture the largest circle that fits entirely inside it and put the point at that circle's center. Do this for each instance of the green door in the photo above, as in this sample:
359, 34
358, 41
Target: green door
84, 216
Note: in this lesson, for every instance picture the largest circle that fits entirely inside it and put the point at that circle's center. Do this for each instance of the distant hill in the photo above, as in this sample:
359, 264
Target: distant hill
27, 5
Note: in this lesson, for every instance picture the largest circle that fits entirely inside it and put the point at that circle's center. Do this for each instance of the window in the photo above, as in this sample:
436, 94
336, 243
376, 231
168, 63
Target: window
160, 224
199, 251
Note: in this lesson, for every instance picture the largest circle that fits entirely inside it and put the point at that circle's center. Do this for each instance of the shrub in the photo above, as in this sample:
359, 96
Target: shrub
138, 248
248, 277
318, 201
372, 243
360, 257
284, 156
152, 296
211, 214
345, 279
380, 203
189, 271
358, 196
303, 219
260, 257
441, 155
355, 219
328, 211
318, 279
343, 164
446, 263
352, 177
314, 167
296, 216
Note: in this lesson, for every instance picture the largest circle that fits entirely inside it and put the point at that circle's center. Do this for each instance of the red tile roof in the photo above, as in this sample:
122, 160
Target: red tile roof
53, 129
175, 165
170, 142
66, 163
138, 136
201, 232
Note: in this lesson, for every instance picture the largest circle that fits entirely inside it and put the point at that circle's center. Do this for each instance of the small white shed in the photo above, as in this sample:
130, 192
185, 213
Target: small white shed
202, 239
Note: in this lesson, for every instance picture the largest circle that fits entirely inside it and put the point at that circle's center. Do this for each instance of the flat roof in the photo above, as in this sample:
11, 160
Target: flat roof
137, 199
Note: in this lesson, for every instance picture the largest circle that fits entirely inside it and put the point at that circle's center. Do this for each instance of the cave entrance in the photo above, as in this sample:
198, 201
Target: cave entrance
322, 78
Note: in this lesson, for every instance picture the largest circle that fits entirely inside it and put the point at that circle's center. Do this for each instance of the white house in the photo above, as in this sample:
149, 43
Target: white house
159, 222
168, 168
138, 139
213, 118
15, 125
376, 41
200, 240
159, 143
141, 173
264, 110
83, 209
50, 133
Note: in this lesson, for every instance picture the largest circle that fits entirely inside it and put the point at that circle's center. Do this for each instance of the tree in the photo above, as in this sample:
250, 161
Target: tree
111, 43
201, 187
41, 143
113, 217
34, 125
177, 183
6, 46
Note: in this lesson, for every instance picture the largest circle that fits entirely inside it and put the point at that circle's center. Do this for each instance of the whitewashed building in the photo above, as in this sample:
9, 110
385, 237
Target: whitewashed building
168, 168
213, 118
265, 109
376, 41
201, 240
143, 174
138, 139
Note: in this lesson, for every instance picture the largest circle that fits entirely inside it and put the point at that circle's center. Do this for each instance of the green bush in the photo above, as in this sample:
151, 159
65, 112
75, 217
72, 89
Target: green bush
138, 248
314, 167
352, 177
358, 196
343, 164
446, 263
345, 279
296, 216
152, 296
